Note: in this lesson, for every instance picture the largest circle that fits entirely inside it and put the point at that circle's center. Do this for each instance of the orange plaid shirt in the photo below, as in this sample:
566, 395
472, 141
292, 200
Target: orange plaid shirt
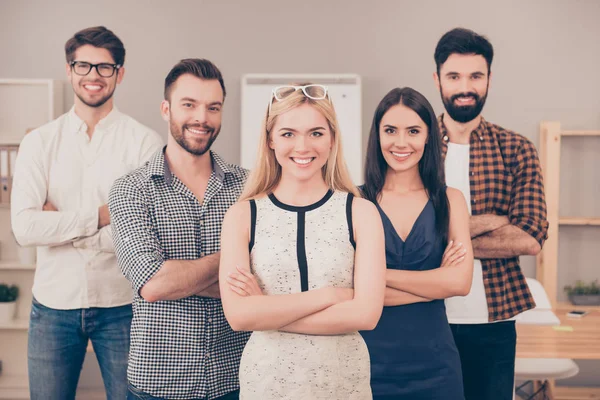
506, 179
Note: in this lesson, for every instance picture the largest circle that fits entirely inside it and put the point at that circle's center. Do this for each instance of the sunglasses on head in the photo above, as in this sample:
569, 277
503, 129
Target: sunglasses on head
313, 91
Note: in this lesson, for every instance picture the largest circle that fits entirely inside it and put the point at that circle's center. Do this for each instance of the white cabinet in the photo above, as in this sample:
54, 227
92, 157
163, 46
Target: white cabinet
25, 104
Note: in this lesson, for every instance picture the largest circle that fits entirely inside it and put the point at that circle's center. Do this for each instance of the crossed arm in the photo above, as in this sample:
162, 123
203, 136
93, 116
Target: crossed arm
455, 275
35, 220
142, 258
493, 236
524, 229
324, 311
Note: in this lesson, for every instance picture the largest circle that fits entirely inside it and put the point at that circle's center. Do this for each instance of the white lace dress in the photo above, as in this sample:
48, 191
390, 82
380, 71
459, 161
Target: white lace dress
294, 249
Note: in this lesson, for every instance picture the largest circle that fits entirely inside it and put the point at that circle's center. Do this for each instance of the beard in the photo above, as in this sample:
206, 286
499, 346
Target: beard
93, 103
191, 144
466, 113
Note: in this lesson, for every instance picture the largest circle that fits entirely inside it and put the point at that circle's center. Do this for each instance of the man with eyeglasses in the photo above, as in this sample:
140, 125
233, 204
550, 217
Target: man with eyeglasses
63, 174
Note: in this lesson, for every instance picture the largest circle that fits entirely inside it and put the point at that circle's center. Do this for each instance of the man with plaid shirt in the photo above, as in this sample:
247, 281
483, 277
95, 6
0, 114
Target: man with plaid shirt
167, 219
499, 173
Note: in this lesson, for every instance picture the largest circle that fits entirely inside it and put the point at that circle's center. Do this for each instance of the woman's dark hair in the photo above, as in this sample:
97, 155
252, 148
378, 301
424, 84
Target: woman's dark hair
431, 167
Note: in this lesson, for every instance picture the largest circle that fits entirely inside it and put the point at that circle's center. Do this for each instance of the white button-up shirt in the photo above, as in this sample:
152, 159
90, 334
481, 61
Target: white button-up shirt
76, 264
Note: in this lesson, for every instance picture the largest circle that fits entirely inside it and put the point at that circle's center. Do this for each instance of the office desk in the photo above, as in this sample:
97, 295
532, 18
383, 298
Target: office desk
583, 343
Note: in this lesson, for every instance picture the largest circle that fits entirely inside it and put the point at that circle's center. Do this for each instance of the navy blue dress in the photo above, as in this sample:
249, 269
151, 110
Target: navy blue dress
413, 355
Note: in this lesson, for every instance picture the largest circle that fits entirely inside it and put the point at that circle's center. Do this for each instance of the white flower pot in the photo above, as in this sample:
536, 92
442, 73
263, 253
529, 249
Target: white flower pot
7, 311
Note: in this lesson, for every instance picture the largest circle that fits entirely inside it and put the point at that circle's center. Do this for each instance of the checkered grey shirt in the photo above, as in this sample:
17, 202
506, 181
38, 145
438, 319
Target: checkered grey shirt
182, 349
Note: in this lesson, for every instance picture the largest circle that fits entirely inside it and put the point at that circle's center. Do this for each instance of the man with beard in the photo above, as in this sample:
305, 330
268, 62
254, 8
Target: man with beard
167, 218
499, 174
63, 174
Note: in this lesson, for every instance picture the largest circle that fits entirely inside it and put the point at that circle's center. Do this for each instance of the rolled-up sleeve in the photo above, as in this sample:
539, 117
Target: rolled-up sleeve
137, 247
527, 208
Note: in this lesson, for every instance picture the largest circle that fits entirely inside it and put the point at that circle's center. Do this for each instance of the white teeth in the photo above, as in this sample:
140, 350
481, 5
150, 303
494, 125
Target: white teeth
197, 132
93, 87
401, 154
302, 161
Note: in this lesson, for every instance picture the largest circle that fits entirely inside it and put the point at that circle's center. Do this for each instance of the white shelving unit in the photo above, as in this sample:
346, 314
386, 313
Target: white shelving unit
16, 324
15, 266
26, 104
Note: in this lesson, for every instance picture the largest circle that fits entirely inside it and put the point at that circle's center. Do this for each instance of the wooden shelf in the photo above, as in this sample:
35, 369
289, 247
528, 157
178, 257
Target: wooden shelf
566, 306
551, 136
582, 221
14, 387
580, 133
16, 266
576, 393
15, 324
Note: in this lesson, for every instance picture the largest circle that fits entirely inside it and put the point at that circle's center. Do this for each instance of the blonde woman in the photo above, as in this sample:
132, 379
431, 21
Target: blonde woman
302, 259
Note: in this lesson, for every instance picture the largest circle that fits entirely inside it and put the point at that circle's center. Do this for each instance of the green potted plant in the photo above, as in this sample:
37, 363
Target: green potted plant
8, 301
582, 294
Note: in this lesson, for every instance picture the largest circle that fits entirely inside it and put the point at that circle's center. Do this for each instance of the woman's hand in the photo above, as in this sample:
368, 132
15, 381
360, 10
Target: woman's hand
454, 254
244, 283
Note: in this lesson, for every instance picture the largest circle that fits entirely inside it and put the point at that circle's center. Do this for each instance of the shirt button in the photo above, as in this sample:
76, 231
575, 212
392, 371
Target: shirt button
481, 138
202, 254
207, 355
473, 201
209, 320
472, 173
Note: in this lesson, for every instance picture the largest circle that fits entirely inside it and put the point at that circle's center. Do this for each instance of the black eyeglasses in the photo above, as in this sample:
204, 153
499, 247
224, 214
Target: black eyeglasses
83, 68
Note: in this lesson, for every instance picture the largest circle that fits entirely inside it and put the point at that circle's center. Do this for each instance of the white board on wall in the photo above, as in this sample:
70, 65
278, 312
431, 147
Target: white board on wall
346, 95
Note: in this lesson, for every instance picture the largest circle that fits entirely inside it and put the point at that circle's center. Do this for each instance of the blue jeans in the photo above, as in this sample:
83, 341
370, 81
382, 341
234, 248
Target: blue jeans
57, 345
487, 356
136, 394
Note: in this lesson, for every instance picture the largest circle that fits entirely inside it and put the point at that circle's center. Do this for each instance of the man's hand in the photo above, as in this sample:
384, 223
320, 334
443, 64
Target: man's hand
103, 216
211, 291
485, 223
49, 206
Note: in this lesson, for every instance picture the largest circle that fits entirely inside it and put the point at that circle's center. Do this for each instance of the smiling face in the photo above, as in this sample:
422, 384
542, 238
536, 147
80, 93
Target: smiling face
463, 83
403, 135
194, 112
301, 140
92, 89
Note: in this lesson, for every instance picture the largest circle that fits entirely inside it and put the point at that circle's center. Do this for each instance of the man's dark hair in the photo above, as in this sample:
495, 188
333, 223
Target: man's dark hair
463, 41
97, 36
197, 67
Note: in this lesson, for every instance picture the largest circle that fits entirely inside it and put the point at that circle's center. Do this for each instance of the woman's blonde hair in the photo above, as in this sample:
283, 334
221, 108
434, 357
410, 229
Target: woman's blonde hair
266, 174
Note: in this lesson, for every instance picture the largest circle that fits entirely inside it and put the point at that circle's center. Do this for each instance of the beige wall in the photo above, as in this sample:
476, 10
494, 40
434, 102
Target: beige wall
546, 66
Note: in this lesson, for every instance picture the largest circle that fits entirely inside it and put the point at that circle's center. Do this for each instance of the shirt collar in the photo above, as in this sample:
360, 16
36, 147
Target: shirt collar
77, 125
158, 166
477, 133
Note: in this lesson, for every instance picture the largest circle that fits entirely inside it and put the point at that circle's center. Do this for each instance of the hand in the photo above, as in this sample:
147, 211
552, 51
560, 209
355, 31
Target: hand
103, 216
454, 254
211, 291
49, 206
244, 283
